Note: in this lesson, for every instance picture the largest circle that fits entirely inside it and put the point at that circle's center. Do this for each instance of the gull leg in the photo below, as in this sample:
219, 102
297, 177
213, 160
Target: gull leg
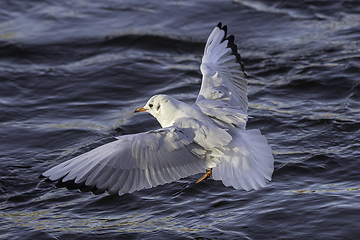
206, 175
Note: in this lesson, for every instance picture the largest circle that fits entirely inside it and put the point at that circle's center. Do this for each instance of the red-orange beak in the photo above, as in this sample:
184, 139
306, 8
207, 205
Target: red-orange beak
140, 109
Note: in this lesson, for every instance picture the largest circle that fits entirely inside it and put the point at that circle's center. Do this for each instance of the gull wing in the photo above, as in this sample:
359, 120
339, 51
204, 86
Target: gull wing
224, 85
133, 162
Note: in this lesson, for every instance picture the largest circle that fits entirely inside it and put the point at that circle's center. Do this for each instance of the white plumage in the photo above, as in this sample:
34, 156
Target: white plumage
208, 134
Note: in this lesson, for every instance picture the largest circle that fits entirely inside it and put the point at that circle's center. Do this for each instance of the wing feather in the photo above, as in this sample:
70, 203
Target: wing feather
224, 79
132, 163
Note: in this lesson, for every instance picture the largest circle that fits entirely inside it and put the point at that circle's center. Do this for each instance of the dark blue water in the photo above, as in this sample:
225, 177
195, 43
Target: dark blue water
72, 73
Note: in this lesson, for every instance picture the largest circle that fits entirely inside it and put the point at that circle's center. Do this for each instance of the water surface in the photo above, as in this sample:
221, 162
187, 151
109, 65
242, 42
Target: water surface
72, 73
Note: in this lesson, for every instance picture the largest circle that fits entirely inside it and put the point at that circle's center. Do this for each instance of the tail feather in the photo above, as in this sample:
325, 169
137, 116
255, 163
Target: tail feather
248, 164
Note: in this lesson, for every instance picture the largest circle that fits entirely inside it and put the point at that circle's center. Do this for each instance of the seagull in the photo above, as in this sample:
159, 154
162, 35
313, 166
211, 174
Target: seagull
208, 137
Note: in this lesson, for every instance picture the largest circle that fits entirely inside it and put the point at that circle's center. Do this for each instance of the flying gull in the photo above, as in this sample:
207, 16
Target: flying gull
208, 137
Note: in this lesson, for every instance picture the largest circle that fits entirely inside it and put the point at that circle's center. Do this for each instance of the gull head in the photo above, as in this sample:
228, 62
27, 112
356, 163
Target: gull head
164, 108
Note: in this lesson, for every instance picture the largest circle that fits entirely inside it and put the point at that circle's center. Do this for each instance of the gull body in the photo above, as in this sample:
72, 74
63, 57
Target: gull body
210, 134
167, 110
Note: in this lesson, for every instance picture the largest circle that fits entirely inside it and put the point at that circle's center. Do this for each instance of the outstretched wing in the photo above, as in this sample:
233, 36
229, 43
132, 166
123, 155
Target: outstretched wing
133, 162
224, 83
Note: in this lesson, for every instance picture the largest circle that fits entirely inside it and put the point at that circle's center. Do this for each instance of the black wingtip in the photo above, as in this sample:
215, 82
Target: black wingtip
230, 39
222, 27
225, 30
231, 44
61, 184
71, 185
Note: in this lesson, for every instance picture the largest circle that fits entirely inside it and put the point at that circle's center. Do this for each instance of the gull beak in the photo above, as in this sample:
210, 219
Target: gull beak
140, 109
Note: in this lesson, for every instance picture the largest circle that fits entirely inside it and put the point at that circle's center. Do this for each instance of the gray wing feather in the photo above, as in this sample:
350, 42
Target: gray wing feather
133, 162
224, 79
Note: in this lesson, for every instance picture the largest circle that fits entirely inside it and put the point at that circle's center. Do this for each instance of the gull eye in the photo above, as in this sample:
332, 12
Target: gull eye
150, 105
